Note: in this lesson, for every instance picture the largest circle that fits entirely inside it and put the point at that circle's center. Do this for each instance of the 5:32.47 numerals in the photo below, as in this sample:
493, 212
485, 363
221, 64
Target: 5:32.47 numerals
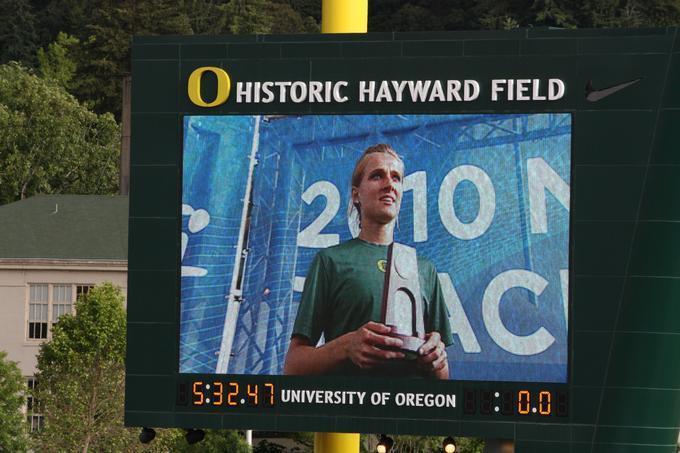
233, 394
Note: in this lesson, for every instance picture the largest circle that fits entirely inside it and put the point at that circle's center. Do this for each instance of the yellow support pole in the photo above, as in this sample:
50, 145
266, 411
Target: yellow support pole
344, 16
336, 443
341, 16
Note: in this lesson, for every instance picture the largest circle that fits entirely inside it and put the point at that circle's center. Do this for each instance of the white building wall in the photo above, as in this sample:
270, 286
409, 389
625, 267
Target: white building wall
14, 284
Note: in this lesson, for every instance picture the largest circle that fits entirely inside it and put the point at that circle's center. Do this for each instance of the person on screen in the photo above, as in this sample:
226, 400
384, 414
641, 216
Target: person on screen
342, 296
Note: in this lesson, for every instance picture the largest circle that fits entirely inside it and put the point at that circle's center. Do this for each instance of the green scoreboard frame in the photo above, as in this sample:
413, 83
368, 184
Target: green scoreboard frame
623, 391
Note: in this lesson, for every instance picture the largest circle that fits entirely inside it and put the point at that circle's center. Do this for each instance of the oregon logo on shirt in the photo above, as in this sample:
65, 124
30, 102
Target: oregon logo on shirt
382, 265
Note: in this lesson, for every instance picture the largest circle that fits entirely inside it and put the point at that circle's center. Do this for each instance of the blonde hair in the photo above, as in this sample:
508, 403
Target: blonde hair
358, 174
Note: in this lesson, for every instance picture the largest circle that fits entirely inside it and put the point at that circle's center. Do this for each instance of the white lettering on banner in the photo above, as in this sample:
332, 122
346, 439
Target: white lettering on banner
398, 89
460, 325
518, 90
244, 92
312, 236
267, 90
417, 182
470, 90
315, 92
346, 397
564, 280
366, 90
322, 396
532, 344
417, 91
384, 93
541, 177
337, 94
198, 221
487, 202
424, 400
296, 91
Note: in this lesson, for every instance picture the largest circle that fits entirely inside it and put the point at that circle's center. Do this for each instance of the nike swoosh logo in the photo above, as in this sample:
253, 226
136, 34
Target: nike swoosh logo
596, 95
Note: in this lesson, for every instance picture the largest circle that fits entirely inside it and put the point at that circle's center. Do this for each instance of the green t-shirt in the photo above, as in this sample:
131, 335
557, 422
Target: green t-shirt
343, 291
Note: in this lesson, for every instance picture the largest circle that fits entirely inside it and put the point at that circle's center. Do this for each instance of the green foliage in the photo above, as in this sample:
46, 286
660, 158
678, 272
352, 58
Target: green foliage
49, 142
555, 13
81, 376
105, 58
306, 8
206, 16
284, 19
265, 446
55, 63
18, 40
68, 16
215, 441
418, 444
305, 441
12, 399
265, 16
470, 445
249, 16
414, 18
630, 13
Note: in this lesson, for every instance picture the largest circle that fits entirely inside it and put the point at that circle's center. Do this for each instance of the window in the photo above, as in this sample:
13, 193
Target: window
82, 290
48, 302
37, 311
62, 296
34, 416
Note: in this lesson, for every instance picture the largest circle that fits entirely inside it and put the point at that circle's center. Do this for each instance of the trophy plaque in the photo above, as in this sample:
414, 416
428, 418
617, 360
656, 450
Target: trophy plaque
402, 302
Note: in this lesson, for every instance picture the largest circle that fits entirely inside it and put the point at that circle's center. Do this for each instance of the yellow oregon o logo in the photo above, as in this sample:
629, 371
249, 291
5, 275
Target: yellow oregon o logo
223, 86
382, 265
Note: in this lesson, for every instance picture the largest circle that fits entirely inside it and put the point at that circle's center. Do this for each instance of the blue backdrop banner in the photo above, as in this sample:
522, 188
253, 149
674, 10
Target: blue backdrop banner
486, 199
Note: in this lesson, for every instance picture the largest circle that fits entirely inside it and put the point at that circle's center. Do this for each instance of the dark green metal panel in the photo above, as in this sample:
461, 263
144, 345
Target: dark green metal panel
624, 387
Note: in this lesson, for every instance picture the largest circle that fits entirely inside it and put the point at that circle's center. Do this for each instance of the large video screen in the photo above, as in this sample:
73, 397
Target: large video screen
287, 223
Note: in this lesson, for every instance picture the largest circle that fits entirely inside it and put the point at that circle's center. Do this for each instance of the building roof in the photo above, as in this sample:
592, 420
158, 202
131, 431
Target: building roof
65, 227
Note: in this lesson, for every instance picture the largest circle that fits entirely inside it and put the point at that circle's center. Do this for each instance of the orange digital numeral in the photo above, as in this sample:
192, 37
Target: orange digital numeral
271, 394
524, 401
544, 403
253, 394
217, 393
232, 395
198, 393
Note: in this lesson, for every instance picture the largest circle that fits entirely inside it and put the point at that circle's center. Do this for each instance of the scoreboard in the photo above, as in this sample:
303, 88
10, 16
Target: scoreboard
539, 191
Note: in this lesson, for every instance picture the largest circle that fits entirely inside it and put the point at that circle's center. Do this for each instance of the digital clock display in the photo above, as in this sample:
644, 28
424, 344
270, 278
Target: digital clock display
542, 403
232, 394
534, 402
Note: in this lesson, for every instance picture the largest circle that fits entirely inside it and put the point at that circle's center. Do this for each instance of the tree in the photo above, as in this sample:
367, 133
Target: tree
417, 444
105, 59
81, 377
412, 17
215, 441
49, 142
55, 63
554, 13
18, 40
12, 399
206, 16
